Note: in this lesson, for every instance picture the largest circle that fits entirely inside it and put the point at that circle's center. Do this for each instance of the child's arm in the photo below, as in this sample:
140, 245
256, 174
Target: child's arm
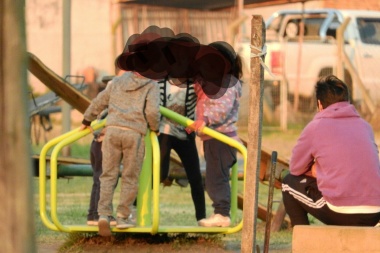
152, 108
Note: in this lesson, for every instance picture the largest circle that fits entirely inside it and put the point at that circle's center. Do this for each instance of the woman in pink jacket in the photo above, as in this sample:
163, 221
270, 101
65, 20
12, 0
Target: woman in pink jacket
334, 168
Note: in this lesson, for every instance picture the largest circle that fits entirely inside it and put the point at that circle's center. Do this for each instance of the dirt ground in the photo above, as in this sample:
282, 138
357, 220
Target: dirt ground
147, 248
136, 247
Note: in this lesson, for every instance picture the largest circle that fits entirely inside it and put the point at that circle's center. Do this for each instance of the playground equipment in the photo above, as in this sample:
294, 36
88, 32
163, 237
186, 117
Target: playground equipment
78, 101
148, 213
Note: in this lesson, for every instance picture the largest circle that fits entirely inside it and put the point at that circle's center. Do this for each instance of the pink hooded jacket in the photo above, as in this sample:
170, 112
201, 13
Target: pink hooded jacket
343, 147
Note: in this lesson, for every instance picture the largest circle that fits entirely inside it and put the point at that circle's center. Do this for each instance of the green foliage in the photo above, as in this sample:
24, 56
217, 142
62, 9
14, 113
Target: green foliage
80, 150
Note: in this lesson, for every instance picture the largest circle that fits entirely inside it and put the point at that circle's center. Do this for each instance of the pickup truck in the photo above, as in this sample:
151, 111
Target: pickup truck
299, 54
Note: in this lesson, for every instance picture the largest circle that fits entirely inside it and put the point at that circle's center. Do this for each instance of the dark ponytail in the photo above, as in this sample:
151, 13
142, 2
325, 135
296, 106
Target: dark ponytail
238, 67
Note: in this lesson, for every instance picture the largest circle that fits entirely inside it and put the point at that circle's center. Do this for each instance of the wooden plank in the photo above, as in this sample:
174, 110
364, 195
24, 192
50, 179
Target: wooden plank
278, 216
265, 161
57, 84
262, 212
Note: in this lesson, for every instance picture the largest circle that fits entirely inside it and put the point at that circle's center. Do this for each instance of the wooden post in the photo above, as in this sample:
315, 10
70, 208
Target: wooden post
299, 59
16, 212
248, 240
339, 49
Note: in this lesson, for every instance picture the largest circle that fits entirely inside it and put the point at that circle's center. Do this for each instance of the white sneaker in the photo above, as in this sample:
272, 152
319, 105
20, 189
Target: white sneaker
215, 220
133, 216
125, 223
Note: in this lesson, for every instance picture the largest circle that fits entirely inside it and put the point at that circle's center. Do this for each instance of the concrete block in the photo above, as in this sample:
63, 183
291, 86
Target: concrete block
335, 239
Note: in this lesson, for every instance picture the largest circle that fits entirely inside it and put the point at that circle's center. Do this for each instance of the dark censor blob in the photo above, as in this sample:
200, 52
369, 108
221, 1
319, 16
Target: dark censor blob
157, 53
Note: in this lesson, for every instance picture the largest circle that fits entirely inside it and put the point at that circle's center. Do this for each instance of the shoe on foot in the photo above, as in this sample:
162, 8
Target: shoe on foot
215, 220
95, 222
92, 222
104, 226
133, 216
125, 222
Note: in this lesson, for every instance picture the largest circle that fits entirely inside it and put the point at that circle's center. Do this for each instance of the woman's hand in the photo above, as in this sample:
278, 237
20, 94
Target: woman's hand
312, 172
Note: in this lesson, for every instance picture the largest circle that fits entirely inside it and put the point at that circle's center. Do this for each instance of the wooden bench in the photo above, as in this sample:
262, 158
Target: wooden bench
335, 239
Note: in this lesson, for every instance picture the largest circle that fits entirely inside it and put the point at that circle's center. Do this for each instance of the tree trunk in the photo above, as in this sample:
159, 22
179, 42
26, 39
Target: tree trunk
16, 212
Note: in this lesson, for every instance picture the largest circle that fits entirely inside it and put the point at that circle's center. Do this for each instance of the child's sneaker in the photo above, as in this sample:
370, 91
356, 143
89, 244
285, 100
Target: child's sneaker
125, 222
92, 222
215, 220
104, 226
133, 216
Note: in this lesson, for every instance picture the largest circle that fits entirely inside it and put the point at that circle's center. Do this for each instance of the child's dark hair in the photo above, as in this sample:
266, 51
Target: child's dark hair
330, 89
234, 58
238, 67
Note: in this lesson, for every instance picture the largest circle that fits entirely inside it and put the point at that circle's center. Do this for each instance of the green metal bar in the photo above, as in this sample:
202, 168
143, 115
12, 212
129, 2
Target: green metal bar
156, 182
144, 198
